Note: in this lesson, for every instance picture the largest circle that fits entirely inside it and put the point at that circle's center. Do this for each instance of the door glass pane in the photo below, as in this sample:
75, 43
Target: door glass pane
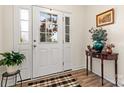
67, 29
55, 28
54, 18
67, 38
49, 37
54, 37
24, 26
24, 37
44, 17
42, 27
24, 14
52, 27
42, 37
67, 21
49, 27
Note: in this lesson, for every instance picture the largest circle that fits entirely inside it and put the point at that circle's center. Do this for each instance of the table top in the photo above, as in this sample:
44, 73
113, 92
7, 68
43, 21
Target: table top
102, 55
103, 52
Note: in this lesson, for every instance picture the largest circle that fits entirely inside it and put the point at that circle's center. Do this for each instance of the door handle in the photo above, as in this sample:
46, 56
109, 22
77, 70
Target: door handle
34, 46
34, 40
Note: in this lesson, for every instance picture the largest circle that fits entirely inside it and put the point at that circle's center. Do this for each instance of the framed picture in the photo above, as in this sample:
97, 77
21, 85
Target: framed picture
105, 18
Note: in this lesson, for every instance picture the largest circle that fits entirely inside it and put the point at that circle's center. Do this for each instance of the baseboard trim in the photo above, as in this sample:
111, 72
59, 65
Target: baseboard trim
78, 68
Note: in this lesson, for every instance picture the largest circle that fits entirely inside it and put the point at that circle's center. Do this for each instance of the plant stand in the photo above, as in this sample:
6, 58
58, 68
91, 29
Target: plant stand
9, 75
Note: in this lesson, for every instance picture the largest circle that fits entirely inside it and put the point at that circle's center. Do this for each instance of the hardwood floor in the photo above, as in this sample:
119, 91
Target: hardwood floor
92, 80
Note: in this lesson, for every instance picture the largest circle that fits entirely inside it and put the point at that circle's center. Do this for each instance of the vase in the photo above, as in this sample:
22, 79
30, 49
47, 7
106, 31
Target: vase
12, 69
98, 46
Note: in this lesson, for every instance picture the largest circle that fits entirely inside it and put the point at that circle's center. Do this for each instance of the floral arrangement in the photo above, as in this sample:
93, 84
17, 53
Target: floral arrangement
98, 34
110, 46
99, 37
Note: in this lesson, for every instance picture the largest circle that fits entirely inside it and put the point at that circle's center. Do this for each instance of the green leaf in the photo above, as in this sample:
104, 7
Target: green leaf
11, 58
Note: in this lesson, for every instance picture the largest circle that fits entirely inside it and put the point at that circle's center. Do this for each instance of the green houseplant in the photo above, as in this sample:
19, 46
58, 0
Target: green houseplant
99, 36
11, 60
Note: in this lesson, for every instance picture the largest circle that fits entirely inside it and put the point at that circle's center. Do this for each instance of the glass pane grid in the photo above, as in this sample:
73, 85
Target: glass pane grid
48, 27
67, 29
24, 25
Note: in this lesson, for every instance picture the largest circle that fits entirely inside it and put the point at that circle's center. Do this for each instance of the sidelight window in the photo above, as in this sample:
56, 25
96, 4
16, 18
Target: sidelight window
67, 29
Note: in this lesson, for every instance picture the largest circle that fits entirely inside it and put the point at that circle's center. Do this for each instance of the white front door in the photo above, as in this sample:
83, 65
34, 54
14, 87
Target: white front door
47, 41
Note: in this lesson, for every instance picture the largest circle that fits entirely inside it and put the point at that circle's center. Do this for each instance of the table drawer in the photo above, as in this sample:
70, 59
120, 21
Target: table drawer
109, 57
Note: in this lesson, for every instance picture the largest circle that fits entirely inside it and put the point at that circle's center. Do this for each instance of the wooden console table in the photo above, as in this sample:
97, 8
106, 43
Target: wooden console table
102, 56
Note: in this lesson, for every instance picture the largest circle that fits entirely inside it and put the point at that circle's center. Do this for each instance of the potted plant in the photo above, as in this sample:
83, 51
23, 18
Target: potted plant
99, 37
12, 60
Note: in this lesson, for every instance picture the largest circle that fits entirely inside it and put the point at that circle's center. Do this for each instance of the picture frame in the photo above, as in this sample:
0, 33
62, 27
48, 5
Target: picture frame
105, 18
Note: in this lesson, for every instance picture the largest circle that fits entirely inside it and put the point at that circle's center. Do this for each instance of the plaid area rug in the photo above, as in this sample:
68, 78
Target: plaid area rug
58, 81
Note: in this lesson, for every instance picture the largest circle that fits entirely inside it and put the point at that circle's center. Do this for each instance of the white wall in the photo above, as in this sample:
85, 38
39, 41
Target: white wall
1, 28
1, 35
6, 33
115, 35
8, 28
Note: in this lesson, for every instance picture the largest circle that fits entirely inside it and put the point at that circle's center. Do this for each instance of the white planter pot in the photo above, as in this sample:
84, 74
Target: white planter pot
12, 69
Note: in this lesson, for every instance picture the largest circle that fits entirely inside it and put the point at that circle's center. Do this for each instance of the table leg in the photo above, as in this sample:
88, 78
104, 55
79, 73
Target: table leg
91, 63
87, 65
116, 72
102, 74
15, 79
6, 81
2, 82
20, 78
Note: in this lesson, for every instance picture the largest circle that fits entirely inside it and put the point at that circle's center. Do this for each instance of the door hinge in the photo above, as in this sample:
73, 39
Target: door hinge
63, 41
63, 19
63, 63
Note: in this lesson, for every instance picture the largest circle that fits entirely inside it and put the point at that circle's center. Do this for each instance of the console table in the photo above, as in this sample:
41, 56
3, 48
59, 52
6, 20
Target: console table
102, 56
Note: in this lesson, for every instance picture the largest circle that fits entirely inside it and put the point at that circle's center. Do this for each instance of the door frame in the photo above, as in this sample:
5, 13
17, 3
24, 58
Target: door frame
16, 45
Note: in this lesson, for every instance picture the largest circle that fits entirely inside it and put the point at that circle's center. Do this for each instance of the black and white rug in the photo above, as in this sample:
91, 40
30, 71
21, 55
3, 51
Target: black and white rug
57, 81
